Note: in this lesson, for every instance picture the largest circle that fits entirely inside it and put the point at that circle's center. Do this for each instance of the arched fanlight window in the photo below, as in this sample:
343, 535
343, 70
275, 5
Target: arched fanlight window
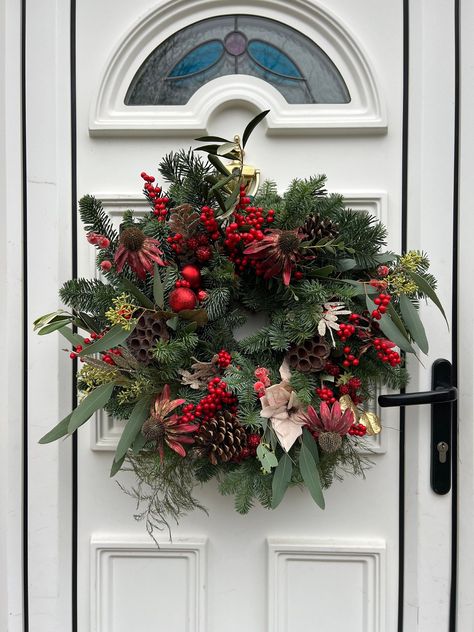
242, 45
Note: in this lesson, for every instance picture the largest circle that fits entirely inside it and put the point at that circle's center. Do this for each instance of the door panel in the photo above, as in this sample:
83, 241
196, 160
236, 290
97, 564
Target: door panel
268, 570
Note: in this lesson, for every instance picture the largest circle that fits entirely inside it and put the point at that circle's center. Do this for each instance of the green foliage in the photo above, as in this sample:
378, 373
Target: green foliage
217, 303
95, 219
363, 233
248, 485
177, 352
300, 201
88, 295
186, 172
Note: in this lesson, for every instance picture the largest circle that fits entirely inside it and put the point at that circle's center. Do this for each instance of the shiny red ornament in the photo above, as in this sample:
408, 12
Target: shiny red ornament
191, 274
182, 298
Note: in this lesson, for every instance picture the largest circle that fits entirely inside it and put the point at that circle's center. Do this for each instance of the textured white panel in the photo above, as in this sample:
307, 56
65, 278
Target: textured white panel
345, 579
137, 586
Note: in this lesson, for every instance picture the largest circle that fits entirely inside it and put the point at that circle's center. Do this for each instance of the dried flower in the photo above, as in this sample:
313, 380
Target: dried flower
162, 428
279, 251
139, 251
281, 405
329, 319
329, 425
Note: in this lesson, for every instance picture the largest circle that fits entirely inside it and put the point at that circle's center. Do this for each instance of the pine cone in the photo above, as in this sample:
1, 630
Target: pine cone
221, 439
149, 329
315, 228
310, 356
330, 441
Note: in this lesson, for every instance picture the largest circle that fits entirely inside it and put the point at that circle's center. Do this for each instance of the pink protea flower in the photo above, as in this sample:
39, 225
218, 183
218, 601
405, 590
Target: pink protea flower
162, 428
139, 251
329, 425
278, 252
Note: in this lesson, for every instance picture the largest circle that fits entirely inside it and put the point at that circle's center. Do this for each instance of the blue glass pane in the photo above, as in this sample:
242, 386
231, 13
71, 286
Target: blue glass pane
199, 59
273, 59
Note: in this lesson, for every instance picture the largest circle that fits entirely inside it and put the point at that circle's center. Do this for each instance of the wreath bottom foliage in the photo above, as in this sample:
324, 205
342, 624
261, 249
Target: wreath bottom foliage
161, 338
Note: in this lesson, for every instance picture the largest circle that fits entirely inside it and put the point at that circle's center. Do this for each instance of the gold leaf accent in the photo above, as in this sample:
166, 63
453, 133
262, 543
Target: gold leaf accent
370, 420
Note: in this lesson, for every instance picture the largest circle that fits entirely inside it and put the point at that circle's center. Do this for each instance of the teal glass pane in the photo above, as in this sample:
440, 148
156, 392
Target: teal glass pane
199, 59
273, 59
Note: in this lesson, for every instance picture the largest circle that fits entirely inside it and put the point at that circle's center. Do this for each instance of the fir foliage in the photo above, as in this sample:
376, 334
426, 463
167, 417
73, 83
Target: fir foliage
88, 295
95, 219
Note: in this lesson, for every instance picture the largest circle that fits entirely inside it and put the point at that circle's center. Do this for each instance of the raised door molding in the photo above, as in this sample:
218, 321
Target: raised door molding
346, 580
365, 112
134, 583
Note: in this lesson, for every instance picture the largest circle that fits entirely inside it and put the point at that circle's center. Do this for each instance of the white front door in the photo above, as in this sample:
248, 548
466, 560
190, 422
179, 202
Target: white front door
378, 558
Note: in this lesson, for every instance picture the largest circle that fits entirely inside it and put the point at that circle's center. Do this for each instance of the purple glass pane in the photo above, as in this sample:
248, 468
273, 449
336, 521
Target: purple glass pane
235, 43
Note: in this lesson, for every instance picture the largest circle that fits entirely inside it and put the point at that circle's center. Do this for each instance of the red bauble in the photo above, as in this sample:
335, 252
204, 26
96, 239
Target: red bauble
182, 298
191, 274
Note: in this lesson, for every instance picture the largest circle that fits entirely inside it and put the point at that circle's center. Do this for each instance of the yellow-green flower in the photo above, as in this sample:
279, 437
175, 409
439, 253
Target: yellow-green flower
122, 312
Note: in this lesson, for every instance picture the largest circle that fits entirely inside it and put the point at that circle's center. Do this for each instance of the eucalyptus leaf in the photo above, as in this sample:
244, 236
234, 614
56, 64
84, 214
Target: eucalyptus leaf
60, 430
362, 288
158, 291
172, 323
232, 199
132, 289
321, 272
252, 125
267, 459
139, 443
207, 139
133, 426
215, 162
390, 329
116, 467
114, 337
392, 312
49, 318
425, 288
227, 148
343, 265
413, 322
90, 323
199, 316
54, 326
309, 472
74, 339
281, 479
310, 443
95, 400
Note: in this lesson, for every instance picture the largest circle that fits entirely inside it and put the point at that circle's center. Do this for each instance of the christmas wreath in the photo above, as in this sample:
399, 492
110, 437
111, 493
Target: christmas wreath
162, 340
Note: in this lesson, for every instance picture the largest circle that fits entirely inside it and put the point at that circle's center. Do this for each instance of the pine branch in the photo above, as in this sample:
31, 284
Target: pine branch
186, 172
88, 295
300, 201
95, 219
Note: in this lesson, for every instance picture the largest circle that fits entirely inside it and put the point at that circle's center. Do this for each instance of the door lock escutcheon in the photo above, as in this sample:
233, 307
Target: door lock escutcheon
441, 399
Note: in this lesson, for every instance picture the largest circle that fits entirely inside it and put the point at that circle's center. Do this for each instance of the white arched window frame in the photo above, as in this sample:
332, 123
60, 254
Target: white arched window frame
364, 113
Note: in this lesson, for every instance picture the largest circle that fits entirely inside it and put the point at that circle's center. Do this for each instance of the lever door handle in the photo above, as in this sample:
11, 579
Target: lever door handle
441, 400
439, 395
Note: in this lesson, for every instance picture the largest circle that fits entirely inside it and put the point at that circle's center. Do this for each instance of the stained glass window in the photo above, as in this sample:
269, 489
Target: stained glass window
237, 44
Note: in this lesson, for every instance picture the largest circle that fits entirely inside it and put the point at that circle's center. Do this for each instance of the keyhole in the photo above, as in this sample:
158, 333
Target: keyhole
442, 448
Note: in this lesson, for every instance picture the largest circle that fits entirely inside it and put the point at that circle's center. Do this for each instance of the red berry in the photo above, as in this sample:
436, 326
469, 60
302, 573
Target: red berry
106, 265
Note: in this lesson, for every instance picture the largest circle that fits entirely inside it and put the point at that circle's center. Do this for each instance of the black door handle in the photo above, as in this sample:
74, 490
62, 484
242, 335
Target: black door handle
439, 395
441, 399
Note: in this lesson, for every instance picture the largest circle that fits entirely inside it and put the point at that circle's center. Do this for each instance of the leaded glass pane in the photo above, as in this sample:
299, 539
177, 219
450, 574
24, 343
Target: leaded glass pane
237, 44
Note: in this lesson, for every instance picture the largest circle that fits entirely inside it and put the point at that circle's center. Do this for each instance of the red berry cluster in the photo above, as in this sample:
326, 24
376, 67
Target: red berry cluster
175, 242
245, 229
326, 395
385, 351
209, 222
217, 398
332, 369
345, 331
154, 195
98, 240
382, 301
351, 388
359, 430
253, 441
187, 414
106, 355
182, 283
223, 359
350, 358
